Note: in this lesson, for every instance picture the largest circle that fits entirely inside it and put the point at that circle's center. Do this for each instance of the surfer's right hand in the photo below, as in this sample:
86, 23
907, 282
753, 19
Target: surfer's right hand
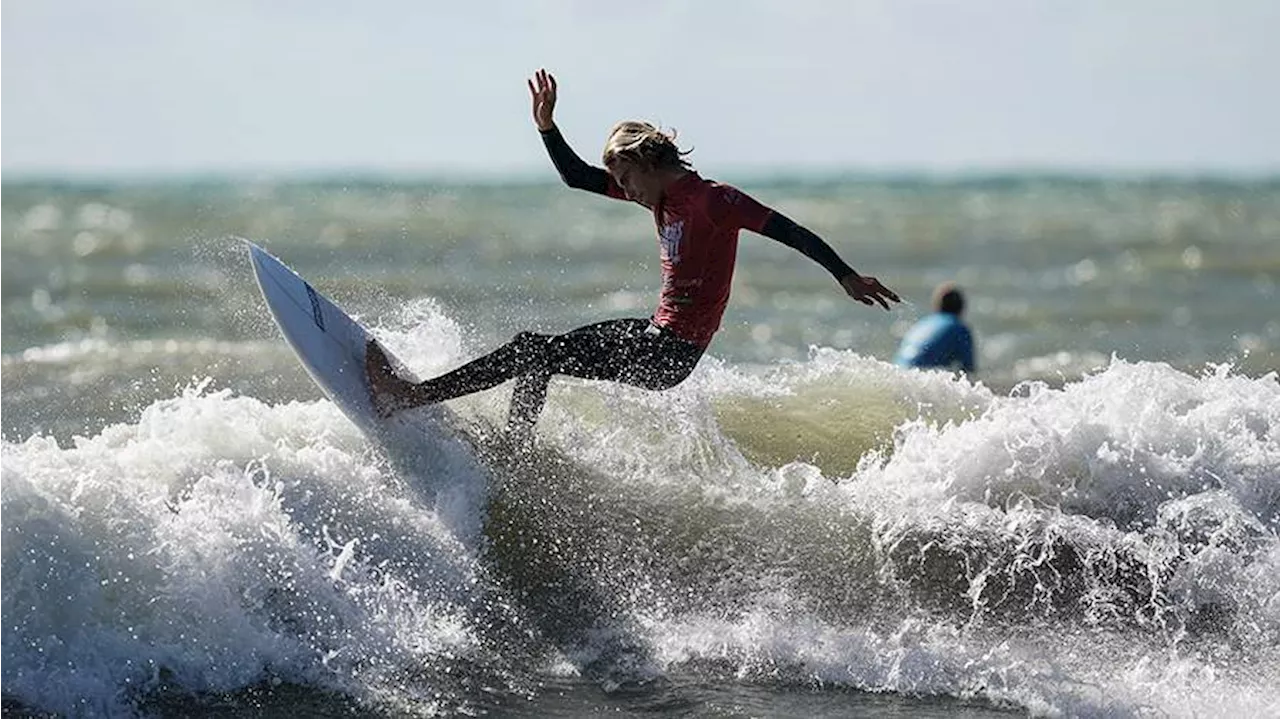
543, 89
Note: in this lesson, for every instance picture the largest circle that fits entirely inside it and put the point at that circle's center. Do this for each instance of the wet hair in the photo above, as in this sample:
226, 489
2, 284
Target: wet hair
645, 146
948, 298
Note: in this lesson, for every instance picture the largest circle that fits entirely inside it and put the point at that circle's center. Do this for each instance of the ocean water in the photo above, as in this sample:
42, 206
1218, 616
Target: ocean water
1087, 526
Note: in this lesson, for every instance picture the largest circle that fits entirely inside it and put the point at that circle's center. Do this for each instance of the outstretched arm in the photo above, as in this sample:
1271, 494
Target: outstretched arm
573, 170
866, 290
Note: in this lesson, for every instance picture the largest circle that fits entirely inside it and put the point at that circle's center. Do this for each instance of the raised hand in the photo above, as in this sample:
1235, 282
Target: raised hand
543, 89
868, 290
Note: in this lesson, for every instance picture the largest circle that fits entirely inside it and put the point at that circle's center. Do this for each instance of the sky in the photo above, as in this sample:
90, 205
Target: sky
144, 87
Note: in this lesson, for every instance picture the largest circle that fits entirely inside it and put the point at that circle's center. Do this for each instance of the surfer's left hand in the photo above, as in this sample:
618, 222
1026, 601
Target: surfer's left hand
868, 290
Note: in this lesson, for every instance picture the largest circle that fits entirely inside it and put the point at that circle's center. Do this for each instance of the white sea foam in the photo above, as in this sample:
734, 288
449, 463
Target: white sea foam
1139, 478
222, 541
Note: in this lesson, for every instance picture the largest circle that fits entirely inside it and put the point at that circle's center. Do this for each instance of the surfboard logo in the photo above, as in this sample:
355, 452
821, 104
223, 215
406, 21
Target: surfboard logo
316, 314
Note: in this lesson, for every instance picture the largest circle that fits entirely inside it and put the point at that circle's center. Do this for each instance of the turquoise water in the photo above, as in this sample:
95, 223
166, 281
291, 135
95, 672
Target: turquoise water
1086, 526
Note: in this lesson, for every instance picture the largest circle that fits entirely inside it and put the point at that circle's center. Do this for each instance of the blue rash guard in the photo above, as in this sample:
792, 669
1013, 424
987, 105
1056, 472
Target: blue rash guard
939, 340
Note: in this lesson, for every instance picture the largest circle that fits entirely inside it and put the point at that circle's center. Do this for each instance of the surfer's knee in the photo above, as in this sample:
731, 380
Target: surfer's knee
530, 342
531, 350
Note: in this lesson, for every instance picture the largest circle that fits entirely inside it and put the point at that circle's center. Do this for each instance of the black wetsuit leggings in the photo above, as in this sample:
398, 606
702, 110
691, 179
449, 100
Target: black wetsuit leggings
634, 351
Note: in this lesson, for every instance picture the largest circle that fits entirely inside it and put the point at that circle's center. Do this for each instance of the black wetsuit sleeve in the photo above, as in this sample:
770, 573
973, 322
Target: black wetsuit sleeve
779, 227
574, 170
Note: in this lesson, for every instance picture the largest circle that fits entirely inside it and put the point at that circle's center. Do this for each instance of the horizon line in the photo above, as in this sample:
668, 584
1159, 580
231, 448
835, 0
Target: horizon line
372, 175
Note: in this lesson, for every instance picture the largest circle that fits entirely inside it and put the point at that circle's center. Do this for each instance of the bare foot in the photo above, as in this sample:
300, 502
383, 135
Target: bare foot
390, 392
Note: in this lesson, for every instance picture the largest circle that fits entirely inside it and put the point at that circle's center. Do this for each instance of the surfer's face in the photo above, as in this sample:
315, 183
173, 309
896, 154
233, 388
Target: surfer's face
640, 184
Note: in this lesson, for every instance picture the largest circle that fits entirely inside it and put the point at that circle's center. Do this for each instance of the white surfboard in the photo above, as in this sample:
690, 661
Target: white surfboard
330, 344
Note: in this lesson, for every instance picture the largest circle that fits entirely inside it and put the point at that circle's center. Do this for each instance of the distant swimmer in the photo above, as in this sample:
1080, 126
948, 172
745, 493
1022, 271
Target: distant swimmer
698, 221
942, 339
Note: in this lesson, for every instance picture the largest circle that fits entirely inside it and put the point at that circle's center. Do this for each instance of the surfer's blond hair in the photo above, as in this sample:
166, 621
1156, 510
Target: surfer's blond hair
642, 144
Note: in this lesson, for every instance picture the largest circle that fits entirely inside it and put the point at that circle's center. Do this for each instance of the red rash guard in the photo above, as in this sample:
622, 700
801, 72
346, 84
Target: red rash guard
698, 222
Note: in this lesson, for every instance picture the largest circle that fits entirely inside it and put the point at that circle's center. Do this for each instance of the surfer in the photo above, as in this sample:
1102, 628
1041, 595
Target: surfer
698, 221
941, 339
